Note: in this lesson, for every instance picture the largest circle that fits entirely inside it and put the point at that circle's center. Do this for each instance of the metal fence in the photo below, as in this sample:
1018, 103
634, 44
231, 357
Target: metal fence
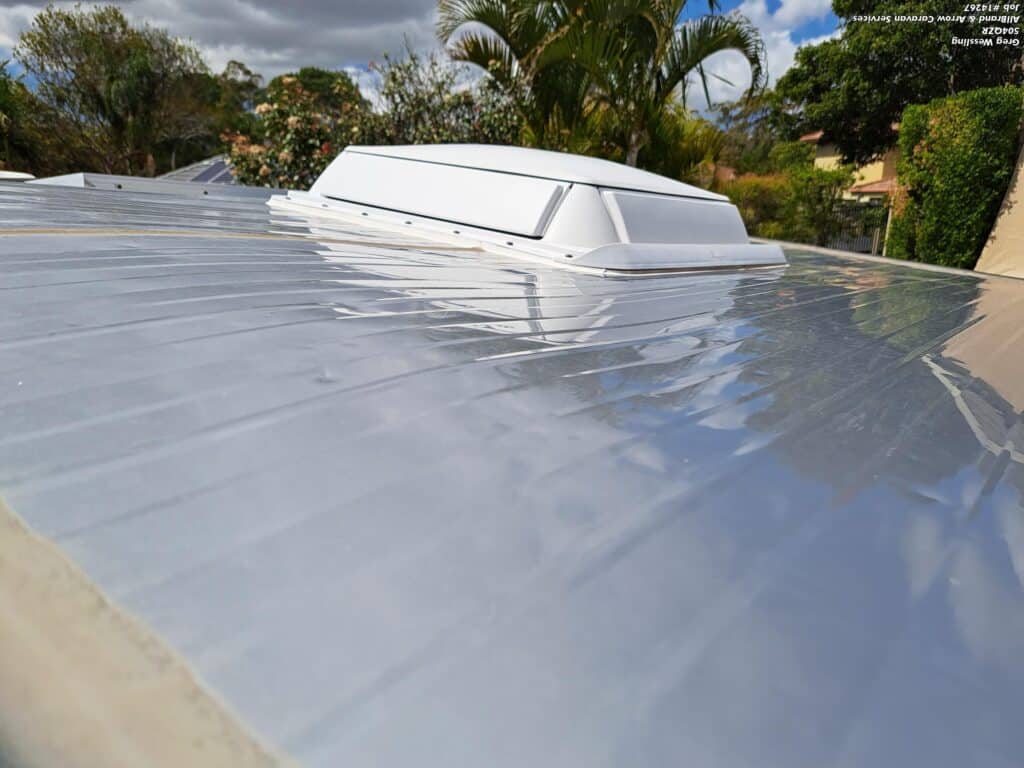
860, 227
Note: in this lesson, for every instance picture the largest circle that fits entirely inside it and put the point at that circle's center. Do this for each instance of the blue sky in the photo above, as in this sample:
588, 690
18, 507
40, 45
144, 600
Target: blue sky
273, 36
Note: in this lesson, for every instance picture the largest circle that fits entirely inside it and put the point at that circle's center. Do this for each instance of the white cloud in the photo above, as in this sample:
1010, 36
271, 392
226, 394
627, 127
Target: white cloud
270, 36
13, 19
795, 13
780, 48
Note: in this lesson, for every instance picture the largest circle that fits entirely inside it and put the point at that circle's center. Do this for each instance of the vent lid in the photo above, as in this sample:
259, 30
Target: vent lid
516, 204
564, 207
538, 163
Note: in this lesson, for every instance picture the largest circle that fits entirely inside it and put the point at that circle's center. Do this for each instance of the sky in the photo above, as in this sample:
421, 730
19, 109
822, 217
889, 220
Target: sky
275, 36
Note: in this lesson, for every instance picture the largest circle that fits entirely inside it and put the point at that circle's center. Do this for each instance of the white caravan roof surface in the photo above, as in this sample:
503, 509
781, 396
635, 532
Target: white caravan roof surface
399, 503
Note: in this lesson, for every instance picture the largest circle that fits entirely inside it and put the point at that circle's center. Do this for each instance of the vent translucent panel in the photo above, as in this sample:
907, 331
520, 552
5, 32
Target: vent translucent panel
642, 217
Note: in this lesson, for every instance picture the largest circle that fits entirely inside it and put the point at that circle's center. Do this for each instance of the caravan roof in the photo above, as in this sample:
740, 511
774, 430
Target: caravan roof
377, 497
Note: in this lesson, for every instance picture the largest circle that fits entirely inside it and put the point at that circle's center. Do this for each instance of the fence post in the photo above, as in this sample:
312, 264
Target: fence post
888, 223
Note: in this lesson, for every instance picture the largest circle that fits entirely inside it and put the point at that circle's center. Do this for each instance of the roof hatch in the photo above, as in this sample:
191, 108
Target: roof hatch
581, 211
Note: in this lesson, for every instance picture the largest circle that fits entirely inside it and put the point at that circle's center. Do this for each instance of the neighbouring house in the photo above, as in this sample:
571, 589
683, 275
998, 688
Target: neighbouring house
873, 187
873, 182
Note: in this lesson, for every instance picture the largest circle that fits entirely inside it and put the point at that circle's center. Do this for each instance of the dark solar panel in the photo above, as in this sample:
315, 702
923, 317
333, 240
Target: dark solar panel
213, 173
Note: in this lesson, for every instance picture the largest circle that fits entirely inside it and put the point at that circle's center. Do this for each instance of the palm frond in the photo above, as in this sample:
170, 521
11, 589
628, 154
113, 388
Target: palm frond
697, 40
496, 15
487, 51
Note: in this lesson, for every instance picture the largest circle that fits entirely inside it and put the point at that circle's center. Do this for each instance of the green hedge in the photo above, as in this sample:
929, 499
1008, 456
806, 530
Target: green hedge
957, 155
761, 201
802, 204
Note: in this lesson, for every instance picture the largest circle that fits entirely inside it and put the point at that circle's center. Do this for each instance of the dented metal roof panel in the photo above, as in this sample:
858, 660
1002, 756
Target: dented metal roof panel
400, 503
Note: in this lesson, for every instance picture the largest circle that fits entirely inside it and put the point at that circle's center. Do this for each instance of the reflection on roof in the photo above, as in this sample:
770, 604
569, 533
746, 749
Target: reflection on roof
400, 503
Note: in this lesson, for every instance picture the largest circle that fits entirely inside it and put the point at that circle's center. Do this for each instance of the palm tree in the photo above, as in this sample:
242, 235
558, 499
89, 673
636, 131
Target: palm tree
507, 34
625, 62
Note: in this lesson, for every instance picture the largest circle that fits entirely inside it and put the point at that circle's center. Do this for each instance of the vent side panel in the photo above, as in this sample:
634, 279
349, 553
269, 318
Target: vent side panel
503, 202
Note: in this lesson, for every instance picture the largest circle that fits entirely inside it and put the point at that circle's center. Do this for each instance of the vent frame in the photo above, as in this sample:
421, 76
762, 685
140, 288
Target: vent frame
573, 222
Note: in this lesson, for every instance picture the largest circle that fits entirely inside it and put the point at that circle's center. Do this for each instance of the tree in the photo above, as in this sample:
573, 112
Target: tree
123, 89
210, 105
19, 141
300, 131
329, 88
617, 64
233, 96
502, 37
815, 203
794, 200
32, 135
423, 103
855, 88
683, 146
750, 131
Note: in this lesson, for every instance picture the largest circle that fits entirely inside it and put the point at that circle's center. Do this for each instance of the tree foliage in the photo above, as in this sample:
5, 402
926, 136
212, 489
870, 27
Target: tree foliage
328, 88
422, 102
217, 104
298, 131
585, 67
856, 87
956, 158
28, 139
122, 88
683, 146
750, 130
793, 200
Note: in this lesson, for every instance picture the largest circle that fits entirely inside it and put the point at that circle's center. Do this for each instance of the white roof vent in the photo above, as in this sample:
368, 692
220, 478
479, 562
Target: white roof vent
577, 210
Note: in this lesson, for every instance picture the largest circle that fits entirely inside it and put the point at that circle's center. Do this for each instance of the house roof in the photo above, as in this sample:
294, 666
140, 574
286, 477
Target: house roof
212, 170
817, 135
397, 502
880, 187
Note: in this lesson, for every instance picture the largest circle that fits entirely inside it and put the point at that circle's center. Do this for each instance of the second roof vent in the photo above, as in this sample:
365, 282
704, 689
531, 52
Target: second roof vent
558, 205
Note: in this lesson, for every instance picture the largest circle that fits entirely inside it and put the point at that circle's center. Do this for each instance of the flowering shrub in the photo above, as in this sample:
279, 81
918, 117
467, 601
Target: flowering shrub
299, 137
422, 102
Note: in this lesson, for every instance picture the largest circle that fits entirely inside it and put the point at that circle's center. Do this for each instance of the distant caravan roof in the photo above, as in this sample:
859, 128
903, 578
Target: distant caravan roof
563, 207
